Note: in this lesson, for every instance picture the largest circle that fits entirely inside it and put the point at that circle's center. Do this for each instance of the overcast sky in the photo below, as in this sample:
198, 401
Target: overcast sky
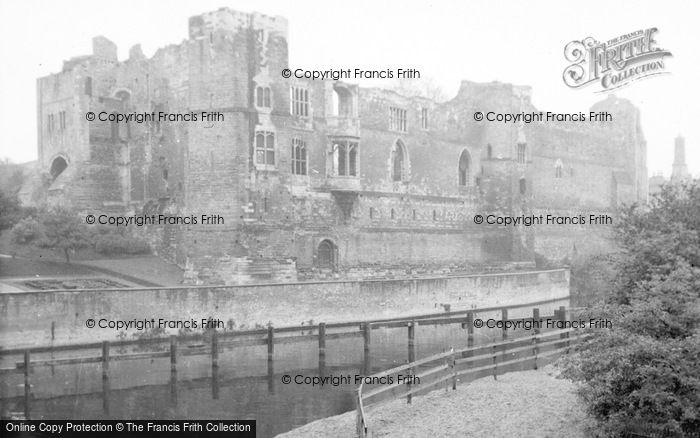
510, 41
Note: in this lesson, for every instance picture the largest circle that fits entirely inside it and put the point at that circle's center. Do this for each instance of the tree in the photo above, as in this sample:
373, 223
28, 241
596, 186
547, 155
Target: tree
10, 211
64, 230
419, 88
644, 371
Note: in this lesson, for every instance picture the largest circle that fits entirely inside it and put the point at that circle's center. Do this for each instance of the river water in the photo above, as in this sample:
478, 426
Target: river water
242, 388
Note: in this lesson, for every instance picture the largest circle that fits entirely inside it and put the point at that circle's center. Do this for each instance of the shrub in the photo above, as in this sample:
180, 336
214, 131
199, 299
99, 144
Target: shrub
64, 230
643, 374
26, 230
119, 244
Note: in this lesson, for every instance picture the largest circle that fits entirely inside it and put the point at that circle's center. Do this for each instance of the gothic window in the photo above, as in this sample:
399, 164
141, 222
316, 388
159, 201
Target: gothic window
399, 162
522, 151
464, 168
523, 186
424, 122
62, 120
397, 119
265, 148
299, 101
298, 156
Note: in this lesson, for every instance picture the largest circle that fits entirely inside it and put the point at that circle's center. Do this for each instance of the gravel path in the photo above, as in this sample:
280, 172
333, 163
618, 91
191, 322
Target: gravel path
528, 403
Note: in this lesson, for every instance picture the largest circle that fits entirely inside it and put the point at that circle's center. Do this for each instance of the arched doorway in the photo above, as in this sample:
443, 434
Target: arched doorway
58, 165
326, 257
399, 162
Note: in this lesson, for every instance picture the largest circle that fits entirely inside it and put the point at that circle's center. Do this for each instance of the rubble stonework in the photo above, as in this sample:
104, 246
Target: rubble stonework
368, 193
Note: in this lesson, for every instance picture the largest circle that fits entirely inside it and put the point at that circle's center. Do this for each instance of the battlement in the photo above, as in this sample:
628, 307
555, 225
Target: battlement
230, 20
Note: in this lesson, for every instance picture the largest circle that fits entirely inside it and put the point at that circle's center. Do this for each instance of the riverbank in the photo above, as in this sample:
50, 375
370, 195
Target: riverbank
528, 403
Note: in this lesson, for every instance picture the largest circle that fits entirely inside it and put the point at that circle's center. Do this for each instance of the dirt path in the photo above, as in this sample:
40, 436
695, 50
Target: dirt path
527, 404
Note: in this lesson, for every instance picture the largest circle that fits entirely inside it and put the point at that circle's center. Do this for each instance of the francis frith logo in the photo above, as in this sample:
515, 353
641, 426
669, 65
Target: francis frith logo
616, 62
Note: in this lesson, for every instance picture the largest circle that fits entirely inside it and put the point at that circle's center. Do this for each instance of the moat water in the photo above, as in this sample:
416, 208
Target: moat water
242, 388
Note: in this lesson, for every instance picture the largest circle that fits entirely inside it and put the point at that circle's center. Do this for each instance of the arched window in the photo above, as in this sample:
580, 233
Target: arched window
57, 167
399, 162
298, 156
326, 256
464, 168
523, 186
558, 169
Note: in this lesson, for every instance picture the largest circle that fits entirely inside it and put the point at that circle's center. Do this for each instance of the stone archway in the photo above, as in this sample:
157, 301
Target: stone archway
327, 255
58, 165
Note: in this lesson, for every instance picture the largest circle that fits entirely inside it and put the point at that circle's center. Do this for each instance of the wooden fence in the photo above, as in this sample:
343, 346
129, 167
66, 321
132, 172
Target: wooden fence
212, 342
448, 368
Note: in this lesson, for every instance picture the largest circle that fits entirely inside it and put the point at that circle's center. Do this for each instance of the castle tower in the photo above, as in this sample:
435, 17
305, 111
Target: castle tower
680, 169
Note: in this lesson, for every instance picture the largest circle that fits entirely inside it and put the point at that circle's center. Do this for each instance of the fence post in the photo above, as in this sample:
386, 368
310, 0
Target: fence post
321, 348
105, 396
215, 349
495, 366
367, 336
27, 385
562, 318
454, 370
535, 333
173, 370
270, 342
105, 359
270, 363
411, 350
173, 354
321, 339
359, 424
504, 318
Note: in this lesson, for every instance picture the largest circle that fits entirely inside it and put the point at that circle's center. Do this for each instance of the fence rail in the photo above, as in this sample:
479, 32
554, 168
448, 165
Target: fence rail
212, 342
448, 367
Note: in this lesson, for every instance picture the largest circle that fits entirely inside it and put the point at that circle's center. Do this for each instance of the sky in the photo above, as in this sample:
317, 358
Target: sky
448, 41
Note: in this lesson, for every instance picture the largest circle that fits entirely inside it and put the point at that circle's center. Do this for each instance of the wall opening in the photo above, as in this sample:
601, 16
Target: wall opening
327, 255
399, 162
58, 165
464, 168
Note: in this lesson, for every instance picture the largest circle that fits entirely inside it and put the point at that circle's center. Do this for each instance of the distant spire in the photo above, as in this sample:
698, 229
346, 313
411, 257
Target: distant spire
680, 169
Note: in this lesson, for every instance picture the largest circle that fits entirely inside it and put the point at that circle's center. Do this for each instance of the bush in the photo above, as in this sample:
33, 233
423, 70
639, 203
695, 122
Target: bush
10, 211
643, 373
26, 230
119, 244
634, 380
